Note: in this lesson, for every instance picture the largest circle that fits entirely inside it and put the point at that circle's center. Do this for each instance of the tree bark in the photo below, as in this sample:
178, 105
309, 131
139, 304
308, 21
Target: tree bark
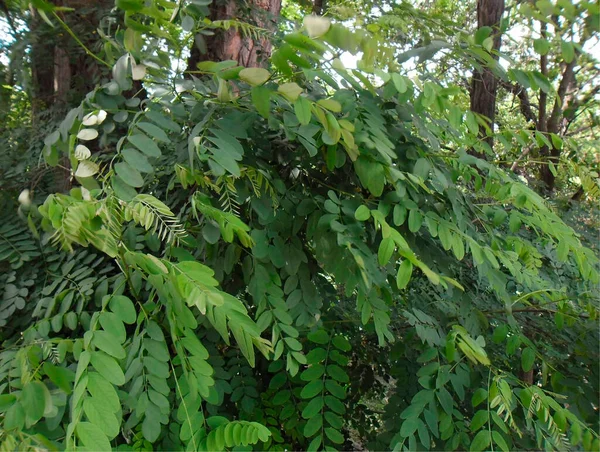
484, 85
232, 44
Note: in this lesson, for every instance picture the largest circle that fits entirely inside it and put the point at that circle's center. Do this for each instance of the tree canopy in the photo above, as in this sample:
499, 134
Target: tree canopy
244, 226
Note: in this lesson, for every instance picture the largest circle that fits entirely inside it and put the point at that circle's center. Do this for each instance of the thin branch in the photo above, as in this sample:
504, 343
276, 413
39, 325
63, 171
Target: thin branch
525, 104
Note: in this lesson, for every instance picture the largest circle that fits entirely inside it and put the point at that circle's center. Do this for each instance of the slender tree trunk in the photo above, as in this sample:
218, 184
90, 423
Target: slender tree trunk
42, 66
232, 44
62, 72
556, 124
484, 85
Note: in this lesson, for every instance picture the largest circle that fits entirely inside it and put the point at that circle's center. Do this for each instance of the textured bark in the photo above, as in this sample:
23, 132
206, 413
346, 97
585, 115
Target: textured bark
484, 85
231, 44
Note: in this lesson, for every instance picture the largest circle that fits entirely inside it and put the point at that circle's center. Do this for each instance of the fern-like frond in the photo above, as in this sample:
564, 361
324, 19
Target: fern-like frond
155, 216
244, 28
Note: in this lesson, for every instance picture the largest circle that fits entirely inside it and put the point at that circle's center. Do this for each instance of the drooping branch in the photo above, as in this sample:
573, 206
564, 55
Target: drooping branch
524, 102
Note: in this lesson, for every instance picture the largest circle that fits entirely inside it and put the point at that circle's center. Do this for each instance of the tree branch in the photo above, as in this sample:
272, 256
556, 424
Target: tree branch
525, 104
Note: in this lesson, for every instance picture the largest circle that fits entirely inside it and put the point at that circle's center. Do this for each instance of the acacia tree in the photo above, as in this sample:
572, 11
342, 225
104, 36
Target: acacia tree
258, 256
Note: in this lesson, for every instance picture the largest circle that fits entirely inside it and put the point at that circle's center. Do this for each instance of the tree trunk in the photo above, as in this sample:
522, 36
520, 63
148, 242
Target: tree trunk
62, 72
556, 124
484, 84
42, 66
232, 44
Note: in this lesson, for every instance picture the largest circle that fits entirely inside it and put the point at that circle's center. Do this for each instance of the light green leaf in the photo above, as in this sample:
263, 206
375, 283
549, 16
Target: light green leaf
109, 344
92, 437
87, 134
291, 91
86, 168
123, 307
330, 104
541, 46
302, 108
254, 76
316, 26
107, 367
100, 415
399, 82
568, 51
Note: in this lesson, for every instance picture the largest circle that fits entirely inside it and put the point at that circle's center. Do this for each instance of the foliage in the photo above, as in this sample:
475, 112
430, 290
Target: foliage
296, 257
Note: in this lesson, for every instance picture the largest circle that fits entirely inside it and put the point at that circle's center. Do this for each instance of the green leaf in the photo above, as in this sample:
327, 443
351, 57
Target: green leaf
334, 435
6, 401
527, 359
92, 437
386, 249
100, 415
479, 420
409, 426
499, 441
541, 46
312, 389
482, 34
261, 99
313, 407
478, 397
302, 108
399, 83
107, 367
123, 307
404, 273
337, 373
481, 441
155, 132
318, 337
145, 144
342, 343
335, 389
33, 399
109, 344
313, 425
254, 76
362, 213
60, 376
129, 175
137, 160
313, 372
568, 51
415, 220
